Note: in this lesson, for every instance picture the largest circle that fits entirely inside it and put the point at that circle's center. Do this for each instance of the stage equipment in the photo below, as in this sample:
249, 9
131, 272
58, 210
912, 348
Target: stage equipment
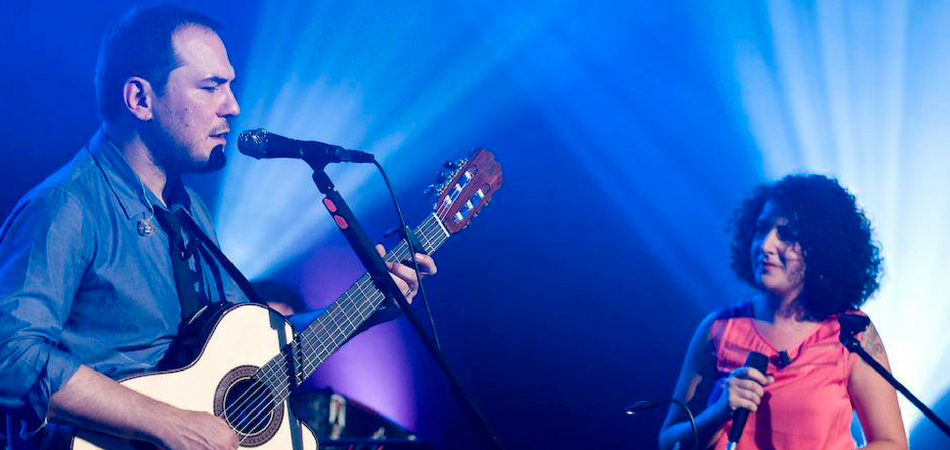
344, 423
851, 325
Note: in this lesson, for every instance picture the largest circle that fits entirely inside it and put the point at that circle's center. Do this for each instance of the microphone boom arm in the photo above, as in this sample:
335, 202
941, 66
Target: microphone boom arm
849, 339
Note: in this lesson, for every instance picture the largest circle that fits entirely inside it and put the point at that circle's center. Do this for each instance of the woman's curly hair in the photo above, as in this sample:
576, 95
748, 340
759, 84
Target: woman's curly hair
843, 264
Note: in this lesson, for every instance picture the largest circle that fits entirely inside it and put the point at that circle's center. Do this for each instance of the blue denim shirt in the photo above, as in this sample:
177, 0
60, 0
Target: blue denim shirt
83, 280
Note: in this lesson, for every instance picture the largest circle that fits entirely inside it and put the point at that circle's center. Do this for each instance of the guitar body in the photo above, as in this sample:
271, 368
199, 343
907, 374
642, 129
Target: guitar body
242, 338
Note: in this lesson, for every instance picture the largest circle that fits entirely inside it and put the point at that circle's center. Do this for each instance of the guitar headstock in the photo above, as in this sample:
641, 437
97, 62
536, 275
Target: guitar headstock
467, 189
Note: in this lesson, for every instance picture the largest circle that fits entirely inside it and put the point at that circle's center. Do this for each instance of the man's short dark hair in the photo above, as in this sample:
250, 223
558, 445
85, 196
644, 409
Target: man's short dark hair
140, 45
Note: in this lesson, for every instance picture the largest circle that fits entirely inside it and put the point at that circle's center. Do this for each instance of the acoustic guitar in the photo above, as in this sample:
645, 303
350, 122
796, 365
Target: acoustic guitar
246, 359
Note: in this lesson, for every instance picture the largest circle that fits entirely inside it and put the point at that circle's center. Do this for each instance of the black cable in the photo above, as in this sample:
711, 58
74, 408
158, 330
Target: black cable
644, 405
469, 410
412, 253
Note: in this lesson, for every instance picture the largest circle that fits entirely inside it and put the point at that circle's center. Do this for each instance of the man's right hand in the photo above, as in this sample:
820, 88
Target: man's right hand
198, 430
93, 401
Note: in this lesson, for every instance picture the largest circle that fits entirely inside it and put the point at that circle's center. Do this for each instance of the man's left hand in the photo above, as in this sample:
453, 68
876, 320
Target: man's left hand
405, 276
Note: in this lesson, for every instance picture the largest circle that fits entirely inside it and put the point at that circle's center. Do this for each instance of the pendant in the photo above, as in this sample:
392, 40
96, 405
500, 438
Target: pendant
146, 227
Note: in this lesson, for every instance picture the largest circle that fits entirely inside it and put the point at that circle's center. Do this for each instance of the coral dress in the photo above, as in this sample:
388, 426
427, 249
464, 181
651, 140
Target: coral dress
808, 406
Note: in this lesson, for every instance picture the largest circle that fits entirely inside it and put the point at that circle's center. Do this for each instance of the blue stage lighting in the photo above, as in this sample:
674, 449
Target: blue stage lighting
852, 90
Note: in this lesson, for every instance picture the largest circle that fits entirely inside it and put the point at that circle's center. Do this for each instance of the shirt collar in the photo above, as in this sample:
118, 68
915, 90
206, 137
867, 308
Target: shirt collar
124, 182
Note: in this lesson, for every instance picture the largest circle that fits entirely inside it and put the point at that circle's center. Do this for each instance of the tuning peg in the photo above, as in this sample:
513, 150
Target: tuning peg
435, 187
440, 179
455, 164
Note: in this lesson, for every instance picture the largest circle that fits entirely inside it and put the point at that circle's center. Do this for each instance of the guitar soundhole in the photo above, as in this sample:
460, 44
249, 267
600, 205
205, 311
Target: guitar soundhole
248, 405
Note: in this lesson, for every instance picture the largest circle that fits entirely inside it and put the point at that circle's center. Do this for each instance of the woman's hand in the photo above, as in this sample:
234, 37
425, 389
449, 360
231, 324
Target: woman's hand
743, 388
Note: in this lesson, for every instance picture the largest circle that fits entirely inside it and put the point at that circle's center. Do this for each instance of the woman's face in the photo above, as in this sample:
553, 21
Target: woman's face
778, 263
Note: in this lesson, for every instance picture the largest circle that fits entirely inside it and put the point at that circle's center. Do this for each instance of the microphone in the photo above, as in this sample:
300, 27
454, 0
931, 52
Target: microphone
757, 361
260, 144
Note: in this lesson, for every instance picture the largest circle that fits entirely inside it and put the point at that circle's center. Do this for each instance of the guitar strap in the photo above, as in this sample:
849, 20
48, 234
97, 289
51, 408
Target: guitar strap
185, 219
185, 279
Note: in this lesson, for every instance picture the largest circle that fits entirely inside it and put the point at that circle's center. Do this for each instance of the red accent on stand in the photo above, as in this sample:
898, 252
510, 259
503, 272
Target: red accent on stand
341, 222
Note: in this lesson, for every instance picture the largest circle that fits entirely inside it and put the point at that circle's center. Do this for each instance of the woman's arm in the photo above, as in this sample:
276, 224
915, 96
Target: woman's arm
743, 389
875, 400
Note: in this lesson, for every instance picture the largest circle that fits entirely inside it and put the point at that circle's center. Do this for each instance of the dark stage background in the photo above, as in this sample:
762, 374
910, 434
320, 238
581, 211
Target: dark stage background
627, 134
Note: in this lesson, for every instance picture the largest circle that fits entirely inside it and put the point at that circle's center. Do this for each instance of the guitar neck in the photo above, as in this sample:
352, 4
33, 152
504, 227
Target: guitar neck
340, 321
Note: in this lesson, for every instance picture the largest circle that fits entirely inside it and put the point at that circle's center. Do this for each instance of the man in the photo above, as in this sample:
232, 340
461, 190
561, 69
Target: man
88, 269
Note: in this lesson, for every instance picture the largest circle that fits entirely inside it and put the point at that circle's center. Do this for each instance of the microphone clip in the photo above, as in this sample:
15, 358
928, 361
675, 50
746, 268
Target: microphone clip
782, 360
851, 325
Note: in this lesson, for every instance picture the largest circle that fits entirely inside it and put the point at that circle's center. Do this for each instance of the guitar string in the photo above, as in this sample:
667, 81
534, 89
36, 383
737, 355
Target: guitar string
400, 252
259, 396
364, 313
299, 377
241, 408
256, 414
270, 371
364, 284
305, 370
362, 288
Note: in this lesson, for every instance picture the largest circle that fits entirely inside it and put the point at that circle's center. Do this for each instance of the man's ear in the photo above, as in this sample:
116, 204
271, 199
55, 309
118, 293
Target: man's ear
138, 96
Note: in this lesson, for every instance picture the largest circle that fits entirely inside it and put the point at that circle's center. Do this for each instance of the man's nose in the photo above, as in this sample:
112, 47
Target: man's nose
230, 106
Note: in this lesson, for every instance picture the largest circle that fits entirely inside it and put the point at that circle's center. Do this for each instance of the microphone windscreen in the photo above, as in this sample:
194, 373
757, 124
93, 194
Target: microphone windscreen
253, 143
757, 361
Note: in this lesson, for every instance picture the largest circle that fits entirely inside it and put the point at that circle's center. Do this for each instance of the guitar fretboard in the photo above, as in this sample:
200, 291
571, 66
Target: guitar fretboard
334, 327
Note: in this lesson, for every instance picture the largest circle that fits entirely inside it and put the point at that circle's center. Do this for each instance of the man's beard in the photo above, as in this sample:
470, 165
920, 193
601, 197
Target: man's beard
172, 157
177, 159
215, 162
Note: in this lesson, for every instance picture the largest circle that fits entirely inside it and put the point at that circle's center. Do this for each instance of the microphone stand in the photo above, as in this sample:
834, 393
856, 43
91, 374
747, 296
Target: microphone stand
376, 267
852, 324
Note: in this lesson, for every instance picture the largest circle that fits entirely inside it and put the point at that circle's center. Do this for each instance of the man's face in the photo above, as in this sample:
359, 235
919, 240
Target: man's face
191, 114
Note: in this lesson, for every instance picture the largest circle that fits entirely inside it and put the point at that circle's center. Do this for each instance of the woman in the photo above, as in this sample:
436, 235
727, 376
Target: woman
806, 247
